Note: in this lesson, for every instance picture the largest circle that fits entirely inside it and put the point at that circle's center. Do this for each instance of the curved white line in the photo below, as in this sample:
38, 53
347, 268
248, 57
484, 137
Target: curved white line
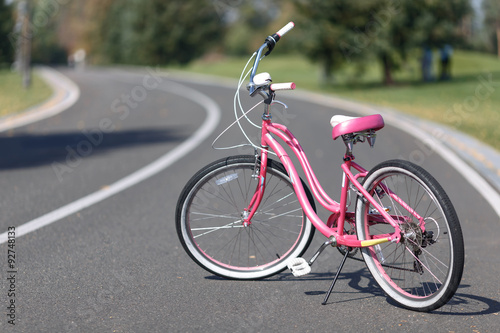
465, 170
210, 123
487, 191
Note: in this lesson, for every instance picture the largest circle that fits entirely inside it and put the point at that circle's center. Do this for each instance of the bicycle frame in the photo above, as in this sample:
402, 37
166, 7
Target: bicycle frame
340, 214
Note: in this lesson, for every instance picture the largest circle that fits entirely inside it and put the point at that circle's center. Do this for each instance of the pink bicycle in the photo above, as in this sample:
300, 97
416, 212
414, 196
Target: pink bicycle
250, 217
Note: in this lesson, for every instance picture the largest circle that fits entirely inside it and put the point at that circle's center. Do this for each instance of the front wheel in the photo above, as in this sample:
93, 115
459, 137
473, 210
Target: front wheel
422, 271
209, 220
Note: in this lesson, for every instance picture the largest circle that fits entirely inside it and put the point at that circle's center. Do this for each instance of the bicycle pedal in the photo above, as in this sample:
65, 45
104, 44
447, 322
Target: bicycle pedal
299, 267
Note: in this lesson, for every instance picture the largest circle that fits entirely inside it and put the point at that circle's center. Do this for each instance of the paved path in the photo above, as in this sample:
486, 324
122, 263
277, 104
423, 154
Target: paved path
113, 261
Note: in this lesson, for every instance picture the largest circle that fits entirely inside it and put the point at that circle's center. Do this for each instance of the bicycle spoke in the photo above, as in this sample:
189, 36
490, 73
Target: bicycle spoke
215, 229
417, 259
419, 266
209, 216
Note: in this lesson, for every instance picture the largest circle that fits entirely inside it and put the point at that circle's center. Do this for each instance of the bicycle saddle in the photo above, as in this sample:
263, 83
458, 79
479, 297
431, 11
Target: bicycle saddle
345, 125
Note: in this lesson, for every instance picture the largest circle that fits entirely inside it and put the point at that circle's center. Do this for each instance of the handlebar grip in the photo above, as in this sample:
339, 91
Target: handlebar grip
282, 86
285, 29
274, 38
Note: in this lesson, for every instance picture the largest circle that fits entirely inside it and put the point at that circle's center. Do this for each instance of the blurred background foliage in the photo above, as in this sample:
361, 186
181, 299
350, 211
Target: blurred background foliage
6, 27
332, 33
384, 52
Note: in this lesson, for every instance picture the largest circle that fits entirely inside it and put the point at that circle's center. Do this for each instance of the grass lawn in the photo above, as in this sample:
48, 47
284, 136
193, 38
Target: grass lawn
14, 98
469, 102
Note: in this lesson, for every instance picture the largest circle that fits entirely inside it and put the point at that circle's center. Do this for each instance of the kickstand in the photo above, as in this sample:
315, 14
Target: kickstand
336, 276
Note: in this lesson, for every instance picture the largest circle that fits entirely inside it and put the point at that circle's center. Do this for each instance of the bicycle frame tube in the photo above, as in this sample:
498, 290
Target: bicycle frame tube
338, 209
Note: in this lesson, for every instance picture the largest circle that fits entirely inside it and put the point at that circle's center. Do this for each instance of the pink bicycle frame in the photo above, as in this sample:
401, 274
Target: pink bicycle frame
338, 209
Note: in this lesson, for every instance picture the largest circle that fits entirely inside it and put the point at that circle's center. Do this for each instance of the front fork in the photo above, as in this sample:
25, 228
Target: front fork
260, 171
249, 212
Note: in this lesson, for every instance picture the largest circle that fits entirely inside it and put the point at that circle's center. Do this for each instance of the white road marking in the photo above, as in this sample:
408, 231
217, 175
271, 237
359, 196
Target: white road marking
208, 126
487, 191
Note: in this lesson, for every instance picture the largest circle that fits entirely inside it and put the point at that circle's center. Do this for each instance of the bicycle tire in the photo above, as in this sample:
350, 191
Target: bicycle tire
423, 271
210, 226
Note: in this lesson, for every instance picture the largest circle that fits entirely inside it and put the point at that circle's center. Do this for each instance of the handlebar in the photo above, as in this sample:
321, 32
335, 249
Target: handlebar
274, 38
282, 86
285, 29
269, 43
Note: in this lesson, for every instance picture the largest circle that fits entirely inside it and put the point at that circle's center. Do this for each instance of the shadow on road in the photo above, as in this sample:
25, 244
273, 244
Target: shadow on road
461, 304
470, 305
25, 150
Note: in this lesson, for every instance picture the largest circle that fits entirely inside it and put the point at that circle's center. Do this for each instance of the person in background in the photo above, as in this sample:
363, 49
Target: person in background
427, 64
446, 53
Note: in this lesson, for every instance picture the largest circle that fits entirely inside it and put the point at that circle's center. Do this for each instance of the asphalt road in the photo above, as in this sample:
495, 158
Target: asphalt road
117, 266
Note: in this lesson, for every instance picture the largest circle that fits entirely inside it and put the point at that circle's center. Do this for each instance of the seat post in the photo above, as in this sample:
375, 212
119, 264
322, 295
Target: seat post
370, 137
349, 141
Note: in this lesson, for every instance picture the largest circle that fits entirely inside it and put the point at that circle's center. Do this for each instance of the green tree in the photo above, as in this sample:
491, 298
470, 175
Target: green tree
43, 24
158, 31
491, 9
330, 30
339, 31
6, 28
250, 22
428, 23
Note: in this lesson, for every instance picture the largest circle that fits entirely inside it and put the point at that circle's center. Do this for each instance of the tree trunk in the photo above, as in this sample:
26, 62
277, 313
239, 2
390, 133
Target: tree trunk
386, 61
326, 75
498, 40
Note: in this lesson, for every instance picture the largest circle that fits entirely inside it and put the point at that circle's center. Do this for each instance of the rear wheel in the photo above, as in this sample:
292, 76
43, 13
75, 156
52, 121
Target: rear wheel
422, 271
209, 220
